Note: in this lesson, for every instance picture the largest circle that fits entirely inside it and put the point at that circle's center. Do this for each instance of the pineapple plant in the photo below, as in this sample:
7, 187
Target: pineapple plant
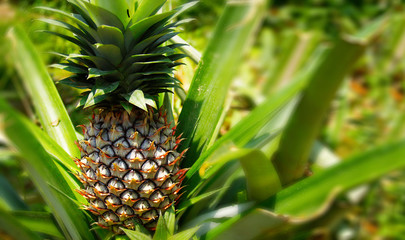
131, 171
129, 160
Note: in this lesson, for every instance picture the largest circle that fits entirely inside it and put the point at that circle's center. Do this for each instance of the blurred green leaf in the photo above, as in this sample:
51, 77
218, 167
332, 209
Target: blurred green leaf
261, 177
296, 141
161, 232
13, 228
189, 202
45, 174
50, 145
218, 216
309, 195
242, 134
135, 235
247, 226
10, 197
191, 52
48, 104
170, 219
41, 222
185, 234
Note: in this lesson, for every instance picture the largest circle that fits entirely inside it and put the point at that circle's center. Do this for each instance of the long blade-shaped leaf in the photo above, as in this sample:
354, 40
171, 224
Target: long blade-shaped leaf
307, 196
59, 154
303, 127
48, 104
45, 175
203, 106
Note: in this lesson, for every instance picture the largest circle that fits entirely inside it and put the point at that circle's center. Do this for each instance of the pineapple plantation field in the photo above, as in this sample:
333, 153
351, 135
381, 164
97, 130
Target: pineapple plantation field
209, 119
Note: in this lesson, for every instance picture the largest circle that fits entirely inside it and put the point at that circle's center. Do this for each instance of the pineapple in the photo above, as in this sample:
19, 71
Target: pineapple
129, 160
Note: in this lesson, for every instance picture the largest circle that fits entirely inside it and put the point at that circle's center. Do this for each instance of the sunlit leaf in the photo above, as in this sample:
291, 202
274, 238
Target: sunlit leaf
44, 96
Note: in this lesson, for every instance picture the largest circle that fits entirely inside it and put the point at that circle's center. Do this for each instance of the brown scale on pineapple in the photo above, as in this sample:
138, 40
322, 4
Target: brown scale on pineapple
129, 168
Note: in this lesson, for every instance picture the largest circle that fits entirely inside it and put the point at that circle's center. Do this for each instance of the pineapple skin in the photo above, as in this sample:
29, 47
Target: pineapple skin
129, 168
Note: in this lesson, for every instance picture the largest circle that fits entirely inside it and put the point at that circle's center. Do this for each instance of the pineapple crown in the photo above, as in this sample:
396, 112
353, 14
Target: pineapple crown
122, 58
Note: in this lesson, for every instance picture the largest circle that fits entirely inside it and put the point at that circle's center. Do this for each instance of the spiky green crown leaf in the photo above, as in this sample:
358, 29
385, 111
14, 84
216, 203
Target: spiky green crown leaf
122, 59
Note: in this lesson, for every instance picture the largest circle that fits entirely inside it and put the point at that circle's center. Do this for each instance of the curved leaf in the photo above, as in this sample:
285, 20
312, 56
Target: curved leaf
45, 174
47, 102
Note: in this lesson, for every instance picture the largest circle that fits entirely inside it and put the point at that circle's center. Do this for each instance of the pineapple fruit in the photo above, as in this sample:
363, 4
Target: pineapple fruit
129, 160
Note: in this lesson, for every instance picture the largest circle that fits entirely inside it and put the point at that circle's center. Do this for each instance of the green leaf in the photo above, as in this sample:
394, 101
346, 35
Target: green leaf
57, 152
170, 219
189, 202
117, 7
309, 195
256, 129
71, 81
45, 173
161, 232
86, 48
99, 93
109, 52
47, 102
217, 215
257, 221
184, 7
136, 98
150, 101
261, 176
111, 35
204, 103
148, 42
83, 15
95, 72
191, 52
86, 37
296, 142
100, 62
13, 228
50, 145
41, 222
184, 235
9, 196
243, 132
147, 8
167, 104
135, 31
135, 235
90, 32
102, 16
127, 106
69, 68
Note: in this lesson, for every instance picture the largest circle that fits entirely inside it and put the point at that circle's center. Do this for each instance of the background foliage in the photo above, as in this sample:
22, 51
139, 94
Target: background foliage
354, 137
